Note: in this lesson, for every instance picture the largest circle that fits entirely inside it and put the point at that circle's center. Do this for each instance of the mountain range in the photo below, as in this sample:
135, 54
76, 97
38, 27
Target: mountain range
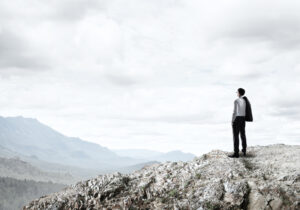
36, 160
40, 145
149, 155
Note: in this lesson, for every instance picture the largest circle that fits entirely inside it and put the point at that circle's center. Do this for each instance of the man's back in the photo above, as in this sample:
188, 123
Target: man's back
239, 108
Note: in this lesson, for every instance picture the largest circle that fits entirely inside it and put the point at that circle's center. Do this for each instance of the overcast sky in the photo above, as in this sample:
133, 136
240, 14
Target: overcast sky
156, 74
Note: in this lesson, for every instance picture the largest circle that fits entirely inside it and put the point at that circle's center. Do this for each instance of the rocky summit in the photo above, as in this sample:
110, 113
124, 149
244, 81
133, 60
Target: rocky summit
267, 178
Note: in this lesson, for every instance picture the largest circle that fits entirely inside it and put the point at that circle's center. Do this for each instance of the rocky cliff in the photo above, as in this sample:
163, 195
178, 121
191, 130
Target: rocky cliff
267, 178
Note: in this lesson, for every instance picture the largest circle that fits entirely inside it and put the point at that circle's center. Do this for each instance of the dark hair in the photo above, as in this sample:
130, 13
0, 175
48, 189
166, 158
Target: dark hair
241, 91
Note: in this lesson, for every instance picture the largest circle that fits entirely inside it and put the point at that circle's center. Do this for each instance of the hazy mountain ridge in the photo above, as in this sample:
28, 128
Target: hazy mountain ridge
15, 193
268, 178
151, 155
27, 137
18, 169
76, 172
130, 169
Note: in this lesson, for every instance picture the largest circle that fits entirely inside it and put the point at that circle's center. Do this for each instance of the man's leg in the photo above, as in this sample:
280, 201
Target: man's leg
235, 131
243, 134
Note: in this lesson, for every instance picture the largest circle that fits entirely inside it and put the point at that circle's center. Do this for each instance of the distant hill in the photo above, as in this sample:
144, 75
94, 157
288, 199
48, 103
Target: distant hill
18, 169
151, 155
50, 151
77, 173
29, 137
138, 153
16, 193
130, 169
175, 156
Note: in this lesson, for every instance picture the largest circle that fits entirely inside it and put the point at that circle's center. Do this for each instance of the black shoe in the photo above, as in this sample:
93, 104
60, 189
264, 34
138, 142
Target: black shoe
244, 152
233, 155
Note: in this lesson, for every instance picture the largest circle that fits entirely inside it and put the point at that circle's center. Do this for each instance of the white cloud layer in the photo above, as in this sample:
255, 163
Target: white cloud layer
153, 74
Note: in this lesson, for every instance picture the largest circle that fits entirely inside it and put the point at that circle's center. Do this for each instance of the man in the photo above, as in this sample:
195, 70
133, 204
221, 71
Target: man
241, 113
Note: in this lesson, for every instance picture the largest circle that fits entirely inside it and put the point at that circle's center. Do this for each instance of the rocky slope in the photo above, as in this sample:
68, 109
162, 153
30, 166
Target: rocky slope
268, 178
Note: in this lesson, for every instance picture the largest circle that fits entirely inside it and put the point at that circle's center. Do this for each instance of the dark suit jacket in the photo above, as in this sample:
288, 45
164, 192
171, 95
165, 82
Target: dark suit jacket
249, 116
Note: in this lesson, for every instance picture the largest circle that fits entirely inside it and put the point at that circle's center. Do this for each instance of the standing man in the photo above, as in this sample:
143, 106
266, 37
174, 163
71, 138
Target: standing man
241, 113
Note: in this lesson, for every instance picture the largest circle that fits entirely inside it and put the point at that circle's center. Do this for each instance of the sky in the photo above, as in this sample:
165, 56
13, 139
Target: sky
159, 75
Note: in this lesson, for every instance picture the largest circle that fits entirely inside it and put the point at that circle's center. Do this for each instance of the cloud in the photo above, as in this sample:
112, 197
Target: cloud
121, 80
52, 10
289, 112
287, 107
196, 118
16, 54
108, 71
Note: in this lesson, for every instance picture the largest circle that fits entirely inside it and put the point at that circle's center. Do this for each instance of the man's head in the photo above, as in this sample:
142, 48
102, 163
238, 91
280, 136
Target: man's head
241, 92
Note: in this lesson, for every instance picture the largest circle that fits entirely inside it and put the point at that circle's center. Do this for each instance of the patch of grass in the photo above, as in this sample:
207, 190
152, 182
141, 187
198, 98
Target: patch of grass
285, 198
248, 164
198, 176
173, 193
125, 180
264, 177
250, 155
187, 183
164, 200
212, 206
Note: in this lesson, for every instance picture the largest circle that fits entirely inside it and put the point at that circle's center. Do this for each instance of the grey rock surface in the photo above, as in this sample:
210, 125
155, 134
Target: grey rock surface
267, 178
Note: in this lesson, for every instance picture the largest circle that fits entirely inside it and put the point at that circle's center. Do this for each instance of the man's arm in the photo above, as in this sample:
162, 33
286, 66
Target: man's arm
234, 111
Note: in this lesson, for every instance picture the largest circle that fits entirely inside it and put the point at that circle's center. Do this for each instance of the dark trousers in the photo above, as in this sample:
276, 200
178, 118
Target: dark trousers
238, 127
